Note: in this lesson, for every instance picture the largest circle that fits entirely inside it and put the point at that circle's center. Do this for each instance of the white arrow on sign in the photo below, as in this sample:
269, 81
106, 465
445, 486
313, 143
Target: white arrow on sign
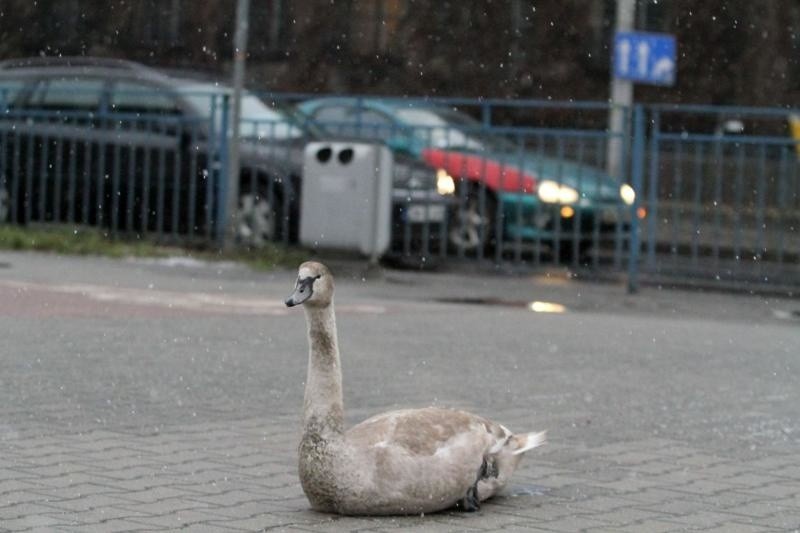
643, 51
624, 51
663, 69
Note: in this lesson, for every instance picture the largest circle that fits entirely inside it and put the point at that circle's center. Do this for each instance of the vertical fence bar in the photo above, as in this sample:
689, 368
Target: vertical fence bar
577, 216
537, 214
5, 200
761, 197
652, 190
221, 174
192, 205
737, 207
518, 211
31, 148
781, 203
637, 167
162, 178
15, 177
130, 204
210, 173
87, 183
696, 205
622, 165
596, 216
101, 176
426, 233
556, 207
177, 184
58, 178
116, 170
677, 198
717, 201
483, 230
44, 155
146, 166
72, 180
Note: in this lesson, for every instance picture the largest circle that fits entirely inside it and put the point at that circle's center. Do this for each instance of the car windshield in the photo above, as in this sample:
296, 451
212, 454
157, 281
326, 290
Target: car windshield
447, 128
258, 121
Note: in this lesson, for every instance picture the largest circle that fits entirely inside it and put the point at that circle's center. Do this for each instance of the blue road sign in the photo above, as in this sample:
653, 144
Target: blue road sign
645, 57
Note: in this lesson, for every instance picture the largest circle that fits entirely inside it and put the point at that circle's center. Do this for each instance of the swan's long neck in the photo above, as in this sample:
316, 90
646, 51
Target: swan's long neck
323, 407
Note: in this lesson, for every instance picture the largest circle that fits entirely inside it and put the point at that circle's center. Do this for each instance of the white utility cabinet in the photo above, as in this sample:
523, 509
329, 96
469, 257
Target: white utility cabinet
346, 200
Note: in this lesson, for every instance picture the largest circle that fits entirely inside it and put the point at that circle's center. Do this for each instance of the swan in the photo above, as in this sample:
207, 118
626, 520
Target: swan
409, 461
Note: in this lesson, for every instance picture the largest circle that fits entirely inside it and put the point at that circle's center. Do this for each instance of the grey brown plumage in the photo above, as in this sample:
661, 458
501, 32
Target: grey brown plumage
408, 461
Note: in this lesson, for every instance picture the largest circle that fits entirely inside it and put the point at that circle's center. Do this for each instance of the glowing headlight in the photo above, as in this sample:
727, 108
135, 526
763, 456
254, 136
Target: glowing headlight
546, 307
553, 193
627, 194
444, 182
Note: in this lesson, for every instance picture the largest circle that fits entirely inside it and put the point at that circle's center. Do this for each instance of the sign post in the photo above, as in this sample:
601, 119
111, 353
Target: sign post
639, 57
239, 55
621, 96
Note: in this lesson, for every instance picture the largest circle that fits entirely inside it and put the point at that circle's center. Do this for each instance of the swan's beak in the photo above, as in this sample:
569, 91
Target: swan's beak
302, 292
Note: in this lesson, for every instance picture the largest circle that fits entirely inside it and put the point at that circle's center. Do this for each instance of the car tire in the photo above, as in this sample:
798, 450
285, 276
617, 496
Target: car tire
470, 227
258, 218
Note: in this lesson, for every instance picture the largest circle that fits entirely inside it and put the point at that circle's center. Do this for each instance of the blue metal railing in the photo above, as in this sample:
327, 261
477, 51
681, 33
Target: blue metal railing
128, 172
722, 206
708, 203
517, 225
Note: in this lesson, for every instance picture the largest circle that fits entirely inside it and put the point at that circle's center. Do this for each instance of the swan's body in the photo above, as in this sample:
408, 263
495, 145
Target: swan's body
402, 462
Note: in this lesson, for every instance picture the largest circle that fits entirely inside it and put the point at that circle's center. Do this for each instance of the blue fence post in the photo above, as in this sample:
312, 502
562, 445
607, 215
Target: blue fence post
636, 174
652, 202
222, 172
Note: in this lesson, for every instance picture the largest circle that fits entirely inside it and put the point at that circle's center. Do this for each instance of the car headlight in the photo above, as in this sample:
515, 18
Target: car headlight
627, 194
445, 184
552, 193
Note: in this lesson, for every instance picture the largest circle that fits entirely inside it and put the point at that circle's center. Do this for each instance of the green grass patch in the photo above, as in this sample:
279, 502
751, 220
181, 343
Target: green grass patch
82, 240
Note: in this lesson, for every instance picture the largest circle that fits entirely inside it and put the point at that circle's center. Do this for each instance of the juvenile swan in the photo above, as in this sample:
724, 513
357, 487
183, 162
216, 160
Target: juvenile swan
409, 461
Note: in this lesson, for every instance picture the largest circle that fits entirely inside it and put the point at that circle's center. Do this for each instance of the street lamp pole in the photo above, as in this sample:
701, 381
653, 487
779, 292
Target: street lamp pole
621, 96
239, 57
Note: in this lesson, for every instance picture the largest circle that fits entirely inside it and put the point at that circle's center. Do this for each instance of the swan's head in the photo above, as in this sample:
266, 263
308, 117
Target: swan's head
314, 286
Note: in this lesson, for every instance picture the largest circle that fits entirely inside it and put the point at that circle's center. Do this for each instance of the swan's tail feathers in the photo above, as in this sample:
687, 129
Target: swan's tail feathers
528, 441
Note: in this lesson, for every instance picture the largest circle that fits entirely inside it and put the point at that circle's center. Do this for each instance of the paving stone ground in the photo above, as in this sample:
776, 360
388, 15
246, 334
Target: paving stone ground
134, 397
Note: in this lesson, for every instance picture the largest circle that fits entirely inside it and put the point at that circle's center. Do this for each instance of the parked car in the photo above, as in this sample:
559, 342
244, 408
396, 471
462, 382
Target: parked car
533, 196
114, 143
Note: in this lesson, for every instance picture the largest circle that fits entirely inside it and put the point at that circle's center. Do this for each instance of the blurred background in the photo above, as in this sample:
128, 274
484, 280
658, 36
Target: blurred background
731, 51
630, 139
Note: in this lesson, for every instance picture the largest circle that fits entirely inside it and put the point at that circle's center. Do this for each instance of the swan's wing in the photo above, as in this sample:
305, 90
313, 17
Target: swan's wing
431, 431
424, 459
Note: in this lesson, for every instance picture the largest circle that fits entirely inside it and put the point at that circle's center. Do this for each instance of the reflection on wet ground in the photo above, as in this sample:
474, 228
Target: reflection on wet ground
535, 306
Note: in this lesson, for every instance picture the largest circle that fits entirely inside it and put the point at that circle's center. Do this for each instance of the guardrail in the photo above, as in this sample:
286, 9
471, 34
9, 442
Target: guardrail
526, 182
724, 205
128, 172
497, 163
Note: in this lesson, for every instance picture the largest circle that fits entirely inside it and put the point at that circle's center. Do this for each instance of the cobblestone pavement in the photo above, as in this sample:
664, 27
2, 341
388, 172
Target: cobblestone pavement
137, 397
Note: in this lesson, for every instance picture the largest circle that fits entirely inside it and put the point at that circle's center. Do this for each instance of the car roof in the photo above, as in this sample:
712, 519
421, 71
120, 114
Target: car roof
80, 66
388, 104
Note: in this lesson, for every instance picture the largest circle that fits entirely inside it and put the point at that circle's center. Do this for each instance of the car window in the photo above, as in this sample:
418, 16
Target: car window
258, 120
9, 90
355, 121
133, 97
334, 114
445, 128
374, 124
82, 94
337, 119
